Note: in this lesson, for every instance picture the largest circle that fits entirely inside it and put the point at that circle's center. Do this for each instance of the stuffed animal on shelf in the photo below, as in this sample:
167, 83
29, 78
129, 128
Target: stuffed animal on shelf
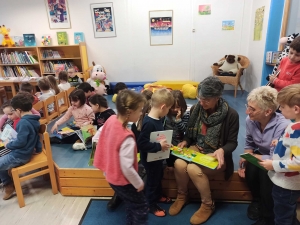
229, 66
7, 40
189, 91
97, 77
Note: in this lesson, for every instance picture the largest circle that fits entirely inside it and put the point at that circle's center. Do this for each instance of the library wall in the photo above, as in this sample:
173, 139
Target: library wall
129, 56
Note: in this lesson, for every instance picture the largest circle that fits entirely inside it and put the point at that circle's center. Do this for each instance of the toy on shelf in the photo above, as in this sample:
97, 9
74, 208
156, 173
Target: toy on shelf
97, 78
7, 40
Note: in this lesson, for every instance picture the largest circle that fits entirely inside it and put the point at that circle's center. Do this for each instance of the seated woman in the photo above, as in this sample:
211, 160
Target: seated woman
263, 125
212, 129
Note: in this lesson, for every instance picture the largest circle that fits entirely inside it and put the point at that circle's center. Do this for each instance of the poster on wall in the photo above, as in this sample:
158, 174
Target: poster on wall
258, 23
204, 10
103, 20
228, 24
58, 14
161, 27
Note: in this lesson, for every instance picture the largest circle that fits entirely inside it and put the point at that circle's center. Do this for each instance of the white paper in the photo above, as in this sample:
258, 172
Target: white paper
157, 137
8, 133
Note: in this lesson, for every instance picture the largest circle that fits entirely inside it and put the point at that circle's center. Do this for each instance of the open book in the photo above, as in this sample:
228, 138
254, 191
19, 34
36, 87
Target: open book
157, 137
252, 159
8, 134
195, 157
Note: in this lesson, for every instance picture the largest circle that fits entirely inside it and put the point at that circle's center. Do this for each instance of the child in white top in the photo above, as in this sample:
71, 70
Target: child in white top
45, 93
63, 81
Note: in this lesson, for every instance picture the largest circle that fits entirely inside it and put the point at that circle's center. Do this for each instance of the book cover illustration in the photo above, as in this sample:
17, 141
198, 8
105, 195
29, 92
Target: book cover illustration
78, 37
252, 159
58, 67
8, 134
64, 132
62, 38
157, 137
29, 40
195, 157
19, 40
46, 40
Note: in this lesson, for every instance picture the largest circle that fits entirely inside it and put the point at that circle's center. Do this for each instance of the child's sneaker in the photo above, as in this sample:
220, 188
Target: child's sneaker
79, 146
157, 210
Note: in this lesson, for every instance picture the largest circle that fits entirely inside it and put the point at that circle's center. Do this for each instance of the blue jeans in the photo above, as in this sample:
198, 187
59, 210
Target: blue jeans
7, 162
285, 205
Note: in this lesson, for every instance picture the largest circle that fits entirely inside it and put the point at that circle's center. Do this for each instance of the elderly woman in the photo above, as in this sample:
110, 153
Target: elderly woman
263, 125
212, 129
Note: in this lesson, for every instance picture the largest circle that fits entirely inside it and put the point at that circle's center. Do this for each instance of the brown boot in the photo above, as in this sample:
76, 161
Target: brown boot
202, 214
9, 191
180, 201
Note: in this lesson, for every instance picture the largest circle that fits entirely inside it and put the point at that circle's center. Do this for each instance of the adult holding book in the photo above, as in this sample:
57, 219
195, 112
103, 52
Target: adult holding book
212, 129
263, 124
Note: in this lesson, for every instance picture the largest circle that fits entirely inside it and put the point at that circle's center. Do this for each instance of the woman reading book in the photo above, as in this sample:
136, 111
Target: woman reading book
263, 124
212, 129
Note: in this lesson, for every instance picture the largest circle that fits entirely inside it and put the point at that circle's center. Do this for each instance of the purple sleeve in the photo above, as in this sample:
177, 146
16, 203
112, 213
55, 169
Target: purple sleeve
249, 143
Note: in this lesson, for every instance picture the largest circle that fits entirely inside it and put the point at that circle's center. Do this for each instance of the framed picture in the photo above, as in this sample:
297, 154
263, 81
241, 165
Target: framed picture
161, 27
58, 14
103, 18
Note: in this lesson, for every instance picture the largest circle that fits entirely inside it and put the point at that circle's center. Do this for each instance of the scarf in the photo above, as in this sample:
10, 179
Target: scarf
200, 122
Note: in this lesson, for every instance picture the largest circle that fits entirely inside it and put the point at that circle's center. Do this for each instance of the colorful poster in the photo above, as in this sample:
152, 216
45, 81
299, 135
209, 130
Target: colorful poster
58, 14
228, 25
204, 9
258, 23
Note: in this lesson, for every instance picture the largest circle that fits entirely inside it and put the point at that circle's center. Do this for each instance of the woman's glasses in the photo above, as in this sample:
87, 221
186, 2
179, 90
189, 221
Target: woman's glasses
204, 100
249, 108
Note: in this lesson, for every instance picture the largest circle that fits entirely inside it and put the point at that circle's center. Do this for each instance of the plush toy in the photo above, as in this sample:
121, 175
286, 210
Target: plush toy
229, 66
189, 91
97, 77
154, 87
7, 40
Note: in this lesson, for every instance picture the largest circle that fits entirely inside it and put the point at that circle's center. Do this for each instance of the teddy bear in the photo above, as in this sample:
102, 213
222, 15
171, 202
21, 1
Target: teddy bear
97, 77
189, 91
7, 40
229, 66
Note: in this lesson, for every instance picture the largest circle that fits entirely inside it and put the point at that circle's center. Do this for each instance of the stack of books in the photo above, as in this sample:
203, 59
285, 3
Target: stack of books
52, 66
26, 57
52, 54
19, 71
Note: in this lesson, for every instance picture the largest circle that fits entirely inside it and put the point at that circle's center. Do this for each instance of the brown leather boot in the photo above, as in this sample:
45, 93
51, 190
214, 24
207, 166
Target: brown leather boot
202, 214
181, 200
9, 191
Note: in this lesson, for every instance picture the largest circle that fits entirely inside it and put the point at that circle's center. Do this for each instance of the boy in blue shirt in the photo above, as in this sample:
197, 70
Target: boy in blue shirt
24, 145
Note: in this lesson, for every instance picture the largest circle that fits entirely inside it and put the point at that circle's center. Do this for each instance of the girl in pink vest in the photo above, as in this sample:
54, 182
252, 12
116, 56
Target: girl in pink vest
116, 156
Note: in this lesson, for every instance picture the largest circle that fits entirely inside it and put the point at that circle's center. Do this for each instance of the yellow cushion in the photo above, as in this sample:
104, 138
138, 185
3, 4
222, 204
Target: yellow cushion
175, 85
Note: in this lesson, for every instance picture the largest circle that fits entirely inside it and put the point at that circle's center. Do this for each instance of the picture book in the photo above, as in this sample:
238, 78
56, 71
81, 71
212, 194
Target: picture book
62, 38
8, 134
252, 159
195, 157
29, 40
157, 137
88, 131
78, 37
46, 40
64, 132
19, 40
58, 67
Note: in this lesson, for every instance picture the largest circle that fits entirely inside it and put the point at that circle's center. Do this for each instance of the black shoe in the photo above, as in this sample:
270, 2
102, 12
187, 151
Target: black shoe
253, 211
55, 140
263, 221
114, 203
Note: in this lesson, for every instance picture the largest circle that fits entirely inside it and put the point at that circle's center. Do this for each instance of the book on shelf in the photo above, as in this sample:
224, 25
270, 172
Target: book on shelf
20, 71
48, 66
272, 57
252, 159
48, 54
195, 157
19, 40
78, 37
24, 57
46, 40
62, 38
29, 40
58, 67
156, 137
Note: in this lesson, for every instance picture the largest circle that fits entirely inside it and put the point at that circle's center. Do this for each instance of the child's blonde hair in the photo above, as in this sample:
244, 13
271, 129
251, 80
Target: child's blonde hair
128, 100
162, 96
289, 95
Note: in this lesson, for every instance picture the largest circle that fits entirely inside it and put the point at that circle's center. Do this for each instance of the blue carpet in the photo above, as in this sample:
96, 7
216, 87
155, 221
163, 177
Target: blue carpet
225, 214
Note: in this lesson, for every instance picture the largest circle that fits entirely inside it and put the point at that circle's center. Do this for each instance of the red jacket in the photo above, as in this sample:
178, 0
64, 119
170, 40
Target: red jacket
107, 157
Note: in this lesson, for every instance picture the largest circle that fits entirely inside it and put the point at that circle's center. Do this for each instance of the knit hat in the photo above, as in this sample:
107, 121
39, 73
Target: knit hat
210, 87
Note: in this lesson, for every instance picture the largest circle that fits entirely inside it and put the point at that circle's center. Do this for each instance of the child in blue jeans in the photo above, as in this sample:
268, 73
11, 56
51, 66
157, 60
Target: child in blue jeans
285, 166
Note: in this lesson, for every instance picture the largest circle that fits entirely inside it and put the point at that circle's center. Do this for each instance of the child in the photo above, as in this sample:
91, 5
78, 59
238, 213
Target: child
285, 166
23, 146
74, 80
88, 90
289, 68
116, 156
45, 93
176, 120
83, 115
120, 86
100, 107
53, 84
161, 102
27, 87
63, 81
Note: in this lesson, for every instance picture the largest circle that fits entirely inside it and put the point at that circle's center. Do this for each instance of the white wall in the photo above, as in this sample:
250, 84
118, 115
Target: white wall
129, 56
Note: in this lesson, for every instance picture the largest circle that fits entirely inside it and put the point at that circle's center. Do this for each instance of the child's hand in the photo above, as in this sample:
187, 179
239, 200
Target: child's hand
178, 116
38, 94
274, 142
140, 188
164, 145
54, 128
5, 143
267, 164
182, 144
